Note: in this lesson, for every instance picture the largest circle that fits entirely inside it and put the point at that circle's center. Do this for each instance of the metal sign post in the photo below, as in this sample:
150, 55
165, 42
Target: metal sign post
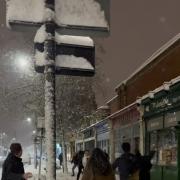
50, 111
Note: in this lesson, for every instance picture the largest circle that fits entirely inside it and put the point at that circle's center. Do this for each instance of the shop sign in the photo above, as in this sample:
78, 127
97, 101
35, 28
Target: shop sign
155, 124
157, 104
162, 103
170, 120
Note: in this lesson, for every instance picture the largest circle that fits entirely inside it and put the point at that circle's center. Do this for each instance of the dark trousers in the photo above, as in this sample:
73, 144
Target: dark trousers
80, 168
73, 168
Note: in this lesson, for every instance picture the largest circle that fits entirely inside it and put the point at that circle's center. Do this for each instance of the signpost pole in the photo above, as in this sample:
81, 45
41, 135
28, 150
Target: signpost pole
50, 114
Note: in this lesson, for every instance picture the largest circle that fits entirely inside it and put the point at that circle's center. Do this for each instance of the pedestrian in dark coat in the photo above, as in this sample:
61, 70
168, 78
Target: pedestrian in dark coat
98, 167
75, 162
145, 166
60, 159
13, 168
125, 163
80, 164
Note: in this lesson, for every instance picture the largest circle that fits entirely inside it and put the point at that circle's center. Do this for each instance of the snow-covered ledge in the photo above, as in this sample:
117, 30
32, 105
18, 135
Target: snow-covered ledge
68, 12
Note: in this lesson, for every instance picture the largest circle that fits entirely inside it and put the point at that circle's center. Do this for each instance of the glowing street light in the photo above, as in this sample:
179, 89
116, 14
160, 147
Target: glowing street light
22, 62
28, 120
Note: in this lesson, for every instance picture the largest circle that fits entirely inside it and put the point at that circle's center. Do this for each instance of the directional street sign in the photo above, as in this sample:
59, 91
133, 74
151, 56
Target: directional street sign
77, 17
74, 56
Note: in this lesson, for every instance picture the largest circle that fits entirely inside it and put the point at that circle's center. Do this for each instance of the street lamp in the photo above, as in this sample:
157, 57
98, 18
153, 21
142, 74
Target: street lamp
29, 120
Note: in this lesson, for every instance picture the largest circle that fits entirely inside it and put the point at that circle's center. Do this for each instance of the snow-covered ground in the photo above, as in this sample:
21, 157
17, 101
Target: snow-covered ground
60, 175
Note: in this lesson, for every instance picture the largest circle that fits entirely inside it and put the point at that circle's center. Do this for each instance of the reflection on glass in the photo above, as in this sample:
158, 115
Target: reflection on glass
165, 144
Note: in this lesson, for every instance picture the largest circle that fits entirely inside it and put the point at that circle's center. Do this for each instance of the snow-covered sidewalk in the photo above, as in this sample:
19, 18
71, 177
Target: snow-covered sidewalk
59, 173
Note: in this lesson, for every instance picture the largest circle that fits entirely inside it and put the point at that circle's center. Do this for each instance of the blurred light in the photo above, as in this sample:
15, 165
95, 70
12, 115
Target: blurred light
29, 120
34, 132
22, 61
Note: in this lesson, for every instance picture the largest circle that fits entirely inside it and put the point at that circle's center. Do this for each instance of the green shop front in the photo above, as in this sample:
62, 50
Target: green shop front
162, 132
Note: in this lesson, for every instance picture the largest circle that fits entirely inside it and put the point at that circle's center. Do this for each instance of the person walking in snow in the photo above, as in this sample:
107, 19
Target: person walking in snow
13, 168
74, 161
98, 167
60, 159
80, 164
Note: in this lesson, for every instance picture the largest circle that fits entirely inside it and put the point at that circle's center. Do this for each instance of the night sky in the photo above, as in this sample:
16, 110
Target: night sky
138, 28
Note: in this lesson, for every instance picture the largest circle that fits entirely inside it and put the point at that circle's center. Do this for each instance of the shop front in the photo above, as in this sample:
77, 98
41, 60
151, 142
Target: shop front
89, 138
162, 132
102, 136
126, 128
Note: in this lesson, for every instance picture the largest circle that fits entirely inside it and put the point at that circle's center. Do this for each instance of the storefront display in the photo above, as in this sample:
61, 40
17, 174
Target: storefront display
162, 120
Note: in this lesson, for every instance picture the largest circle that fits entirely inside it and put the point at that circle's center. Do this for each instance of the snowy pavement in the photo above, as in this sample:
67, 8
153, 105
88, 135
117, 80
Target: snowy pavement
59, 173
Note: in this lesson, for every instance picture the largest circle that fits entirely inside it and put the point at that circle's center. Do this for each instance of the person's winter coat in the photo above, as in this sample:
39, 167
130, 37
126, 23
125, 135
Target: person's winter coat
125, 164
88, 174
60, 157
80, 158
13, 168
75, 159
145, 167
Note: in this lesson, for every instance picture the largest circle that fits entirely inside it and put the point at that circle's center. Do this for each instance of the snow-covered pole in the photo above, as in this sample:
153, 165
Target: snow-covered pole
50, 114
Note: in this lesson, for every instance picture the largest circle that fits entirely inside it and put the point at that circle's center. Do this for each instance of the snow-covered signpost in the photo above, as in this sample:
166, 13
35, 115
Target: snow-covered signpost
57, 53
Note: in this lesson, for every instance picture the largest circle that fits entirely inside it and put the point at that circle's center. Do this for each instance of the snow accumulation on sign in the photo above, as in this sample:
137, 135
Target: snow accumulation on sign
70, 61
74, 40
69, 14
25, 10
80, 13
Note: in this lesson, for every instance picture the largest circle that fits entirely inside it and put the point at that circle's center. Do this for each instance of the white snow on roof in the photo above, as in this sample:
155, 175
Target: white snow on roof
165, 86
92, 125
75, 40
103, 107
175, 80
152, 58
121, 110
80, 12
71, 61
25, 10
68, 12
112, 99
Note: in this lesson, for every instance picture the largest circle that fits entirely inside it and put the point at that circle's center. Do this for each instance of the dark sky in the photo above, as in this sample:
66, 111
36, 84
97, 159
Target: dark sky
138, 28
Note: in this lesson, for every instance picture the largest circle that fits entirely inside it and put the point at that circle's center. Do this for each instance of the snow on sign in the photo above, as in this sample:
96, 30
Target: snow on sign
73, 17
75, 55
